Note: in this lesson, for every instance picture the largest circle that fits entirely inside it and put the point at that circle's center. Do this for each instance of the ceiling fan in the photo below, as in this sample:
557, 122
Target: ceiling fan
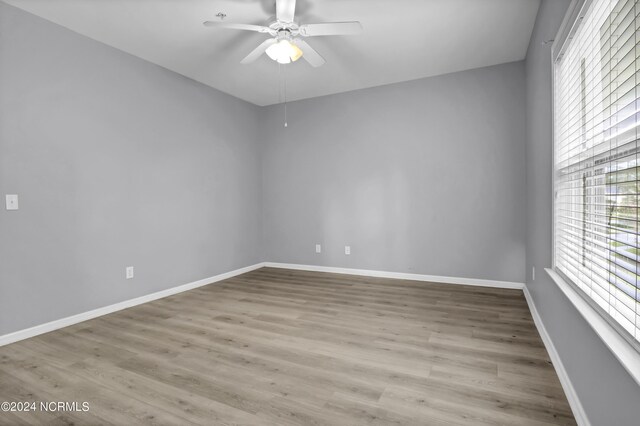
287, 44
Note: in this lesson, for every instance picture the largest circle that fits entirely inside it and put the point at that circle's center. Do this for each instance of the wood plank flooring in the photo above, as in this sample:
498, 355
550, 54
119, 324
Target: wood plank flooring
282, 347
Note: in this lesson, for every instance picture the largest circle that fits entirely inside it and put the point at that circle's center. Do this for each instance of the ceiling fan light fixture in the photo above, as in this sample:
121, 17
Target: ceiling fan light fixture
284, 59
297, 53
273, 51
284, 52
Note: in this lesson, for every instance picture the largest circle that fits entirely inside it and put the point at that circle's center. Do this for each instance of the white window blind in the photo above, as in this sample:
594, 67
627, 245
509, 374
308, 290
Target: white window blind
597, 161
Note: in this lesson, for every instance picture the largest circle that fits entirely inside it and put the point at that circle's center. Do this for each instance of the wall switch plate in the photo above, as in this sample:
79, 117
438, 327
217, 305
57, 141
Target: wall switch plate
347, 250
129, 272
12, 201
318, 248
533, 273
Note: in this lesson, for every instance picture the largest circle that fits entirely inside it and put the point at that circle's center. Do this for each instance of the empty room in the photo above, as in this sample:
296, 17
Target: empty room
320, 212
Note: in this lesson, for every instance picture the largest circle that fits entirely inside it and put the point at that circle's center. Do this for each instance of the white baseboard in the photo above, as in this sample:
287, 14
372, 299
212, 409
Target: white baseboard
398, 275
567, 386
576, 406
74, 319
565, 381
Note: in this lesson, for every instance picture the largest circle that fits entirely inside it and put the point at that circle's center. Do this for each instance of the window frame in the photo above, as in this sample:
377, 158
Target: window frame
624, 346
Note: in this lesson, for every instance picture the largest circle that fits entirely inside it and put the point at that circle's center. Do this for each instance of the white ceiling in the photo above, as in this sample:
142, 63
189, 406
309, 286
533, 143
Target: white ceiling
402, 39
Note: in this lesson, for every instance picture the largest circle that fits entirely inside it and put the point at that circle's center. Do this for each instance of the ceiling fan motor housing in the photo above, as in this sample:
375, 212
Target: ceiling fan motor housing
284, 34
290, 28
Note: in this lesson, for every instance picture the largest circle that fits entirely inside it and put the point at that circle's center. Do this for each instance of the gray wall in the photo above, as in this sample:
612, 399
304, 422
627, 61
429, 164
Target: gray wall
607, 392
425, 177
117, 162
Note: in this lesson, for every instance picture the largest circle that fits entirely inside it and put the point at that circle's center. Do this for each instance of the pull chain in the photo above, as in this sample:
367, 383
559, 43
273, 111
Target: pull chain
282, 88
285, 97
279, 83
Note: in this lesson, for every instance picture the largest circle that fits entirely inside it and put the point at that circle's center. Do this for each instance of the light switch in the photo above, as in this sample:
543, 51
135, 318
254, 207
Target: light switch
347, 250
12, 202
318, 248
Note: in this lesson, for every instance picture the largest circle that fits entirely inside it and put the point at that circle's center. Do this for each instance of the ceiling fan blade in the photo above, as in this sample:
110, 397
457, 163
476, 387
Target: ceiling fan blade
331, 28
233, 26
258, 51
285, 10
309, 54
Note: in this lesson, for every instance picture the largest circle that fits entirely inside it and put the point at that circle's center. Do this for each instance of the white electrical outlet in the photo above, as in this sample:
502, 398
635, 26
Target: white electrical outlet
129, 272
318, 248
12, 201
347, 250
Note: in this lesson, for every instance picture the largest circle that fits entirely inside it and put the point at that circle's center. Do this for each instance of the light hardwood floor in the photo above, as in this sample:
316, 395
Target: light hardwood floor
284, 347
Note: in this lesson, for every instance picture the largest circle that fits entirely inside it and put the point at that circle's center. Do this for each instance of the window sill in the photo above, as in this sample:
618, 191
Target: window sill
621, 348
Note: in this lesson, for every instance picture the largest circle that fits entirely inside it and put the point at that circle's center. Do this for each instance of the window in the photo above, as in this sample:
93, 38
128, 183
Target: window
597, 161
